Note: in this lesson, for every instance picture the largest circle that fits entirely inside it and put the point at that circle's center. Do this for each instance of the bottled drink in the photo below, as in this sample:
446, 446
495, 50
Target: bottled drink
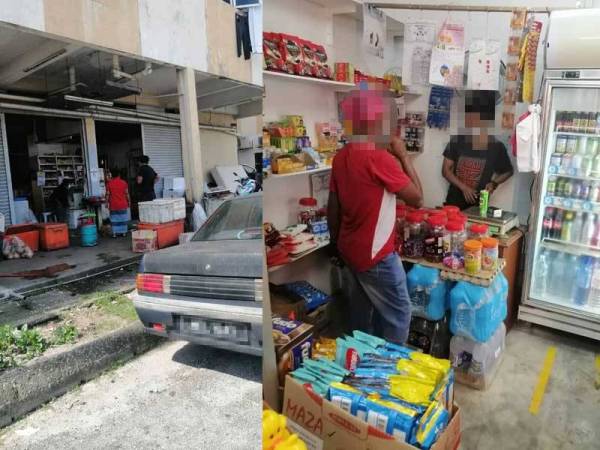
583, 280
596, 165
576, 228
586, 188
568, 276
577, 188
568, 188
596, 237
561, 144
560, 187
586, 165
581, 144
571, 146
587, 229
567, 227
557, 271
594, 295
591, 123
541, 277
557, 224
547, 223
592, 146
594, 192
598, 123
560, 121
551, 187
576, 163
565, 164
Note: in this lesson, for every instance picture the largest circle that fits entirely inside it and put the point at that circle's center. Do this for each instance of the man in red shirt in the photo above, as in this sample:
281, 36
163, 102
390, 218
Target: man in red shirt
118, 202
368, 175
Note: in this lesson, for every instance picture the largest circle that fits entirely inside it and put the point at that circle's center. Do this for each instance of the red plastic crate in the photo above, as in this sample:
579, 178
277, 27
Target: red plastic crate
53, 236
167, 233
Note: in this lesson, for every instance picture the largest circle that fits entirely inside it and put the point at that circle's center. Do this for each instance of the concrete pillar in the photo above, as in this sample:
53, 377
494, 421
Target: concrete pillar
190, 135
91, 157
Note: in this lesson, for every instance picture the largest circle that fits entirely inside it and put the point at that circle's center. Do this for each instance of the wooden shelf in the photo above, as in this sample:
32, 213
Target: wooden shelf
483, 278
315, 81
293, 259
302, 172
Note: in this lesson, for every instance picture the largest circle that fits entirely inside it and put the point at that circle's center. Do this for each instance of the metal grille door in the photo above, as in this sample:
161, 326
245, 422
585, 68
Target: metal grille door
6, 194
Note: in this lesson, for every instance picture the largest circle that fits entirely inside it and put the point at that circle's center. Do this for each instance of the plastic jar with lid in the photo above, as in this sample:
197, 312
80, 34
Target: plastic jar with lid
478, 231
454, 241
401, 212
434, 241
472, 256
414, 233
307, 210
489, 259
451, 209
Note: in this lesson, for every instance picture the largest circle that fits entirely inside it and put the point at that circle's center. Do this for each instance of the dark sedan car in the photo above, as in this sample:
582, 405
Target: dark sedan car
209, 291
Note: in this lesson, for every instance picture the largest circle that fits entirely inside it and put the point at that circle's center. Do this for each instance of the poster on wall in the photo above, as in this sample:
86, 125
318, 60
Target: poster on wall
416, 56
448, 57
374, 30
319, 183
484, 65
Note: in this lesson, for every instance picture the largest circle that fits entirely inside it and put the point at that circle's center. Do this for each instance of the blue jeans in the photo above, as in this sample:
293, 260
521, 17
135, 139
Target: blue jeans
379, 301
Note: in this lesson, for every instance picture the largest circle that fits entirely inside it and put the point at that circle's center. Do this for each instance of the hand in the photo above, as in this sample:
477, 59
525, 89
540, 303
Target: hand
470, 195
398, 148
491, 187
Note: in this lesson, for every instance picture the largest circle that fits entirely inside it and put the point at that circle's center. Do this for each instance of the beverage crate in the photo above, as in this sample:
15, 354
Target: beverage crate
162, 210
143, 241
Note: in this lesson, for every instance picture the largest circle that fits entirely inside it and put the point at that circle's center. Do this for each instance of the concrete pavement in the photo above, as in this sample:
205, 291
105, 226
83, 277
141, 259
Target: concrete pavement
176, 396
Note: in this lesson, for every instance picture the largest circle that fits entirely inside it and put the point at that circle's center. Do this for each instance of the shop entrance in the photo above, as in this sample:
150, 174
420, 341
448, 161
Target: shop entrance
43, 152
120, 147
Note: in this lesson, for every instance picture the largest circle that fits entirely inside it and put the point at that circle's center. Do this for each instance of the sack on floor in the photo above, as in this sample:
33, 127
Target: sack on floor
14, 248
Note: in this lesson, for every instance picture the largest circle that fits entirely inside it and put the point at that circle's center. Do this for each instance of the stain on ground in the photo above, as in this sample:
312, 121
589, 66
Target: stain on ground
105, 257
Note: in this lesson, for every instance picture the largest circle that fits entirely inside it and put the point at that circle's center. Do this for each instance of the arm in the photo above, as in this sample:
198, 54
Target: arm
139, 179
448, 173
498, 179
413, 193
333, 216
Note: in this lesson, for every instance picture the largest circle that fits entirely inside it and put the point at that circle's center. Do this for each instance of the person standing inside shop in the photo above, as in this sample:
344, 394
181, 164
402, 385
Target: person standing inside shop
60, 200
474, 160
368, 176
145, 180
118, 194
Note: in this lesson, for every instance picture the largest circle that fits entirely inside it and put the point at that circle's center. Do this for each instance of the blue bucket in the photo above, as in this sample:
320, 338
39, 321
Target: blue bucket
89, 235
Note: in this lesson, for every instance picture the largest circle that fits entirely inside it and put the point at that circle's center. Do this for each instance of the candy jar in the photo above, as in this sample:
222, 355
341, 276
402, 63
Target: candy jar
414, 233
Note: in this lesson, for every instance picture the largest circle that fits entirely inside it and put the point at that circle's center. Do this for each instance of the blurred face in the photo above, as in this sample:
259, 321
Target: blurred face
473, 120
369, 113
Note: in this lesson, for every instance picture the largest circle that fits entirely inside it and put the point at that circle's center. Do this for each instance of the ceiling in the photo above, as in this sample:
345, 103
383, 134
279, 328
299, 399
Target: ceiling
92, 70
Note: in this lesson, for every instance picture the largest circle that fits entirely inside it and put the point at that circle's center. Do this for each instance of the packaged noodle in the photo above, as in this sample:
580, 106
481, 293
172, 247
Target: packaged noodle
430, 425
411, 389
391, 418
348, 398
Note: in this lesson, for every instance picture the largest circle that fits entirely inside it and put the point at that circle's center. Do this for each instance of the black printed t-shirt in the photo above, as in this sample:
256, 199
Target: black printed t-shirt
475, 168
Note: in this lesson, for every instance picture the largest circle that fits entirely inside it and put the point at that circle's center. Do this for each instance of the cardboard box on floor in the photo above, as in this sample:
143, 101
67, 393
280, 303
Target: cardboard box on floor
342, 431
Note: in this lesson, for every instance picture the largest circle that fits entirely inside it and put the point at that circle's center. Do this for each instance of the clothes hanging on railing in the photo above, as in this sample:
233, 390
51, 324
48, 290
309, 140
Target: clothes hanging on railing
242, 31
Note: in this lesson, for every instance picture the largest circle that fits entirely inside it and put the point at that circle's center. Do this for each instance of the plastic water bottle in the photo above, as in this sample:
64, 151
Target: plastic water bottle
583, 280
542, 273
559, 265
594, 295
576, 228
568, 275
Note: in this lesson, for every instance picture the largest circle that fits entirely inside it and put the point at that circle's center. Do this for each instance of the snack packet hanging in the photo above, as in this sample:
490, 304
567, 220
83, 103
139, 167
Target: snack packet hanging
430, 425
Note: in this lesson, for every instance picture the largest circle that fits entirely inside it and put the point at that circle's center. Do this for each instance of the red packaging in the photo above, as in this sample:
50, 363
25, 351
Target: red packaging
341, 72
291, 50
311, 66
272, 51
323, 69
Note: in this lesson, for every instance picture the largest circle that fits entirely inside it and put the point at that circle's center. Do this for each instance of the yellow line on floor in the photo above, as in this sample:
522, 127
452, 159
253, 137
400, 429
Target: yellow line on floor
597, 371
543, 377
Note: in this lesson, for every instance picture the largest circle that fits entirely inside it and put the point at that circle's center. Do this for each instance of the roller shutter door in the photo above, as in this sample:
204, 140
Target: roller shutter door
162, 144
5, 183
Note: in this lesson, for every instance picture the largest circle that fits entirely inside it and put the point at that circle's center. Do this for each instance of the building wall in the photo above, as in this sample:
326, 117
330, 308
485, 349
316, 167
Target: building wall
217, 148
187, 33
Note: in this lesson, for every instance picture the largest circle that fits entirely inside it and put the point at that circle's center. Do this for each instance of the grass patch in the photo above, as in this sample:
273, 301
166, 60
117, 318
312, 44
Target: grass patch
65, 334
20, 345
116, 304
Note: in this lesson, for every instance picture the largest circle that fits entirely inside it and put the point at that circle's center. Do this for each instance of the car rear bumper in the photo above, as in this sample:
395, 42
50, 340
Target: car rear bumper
167, 311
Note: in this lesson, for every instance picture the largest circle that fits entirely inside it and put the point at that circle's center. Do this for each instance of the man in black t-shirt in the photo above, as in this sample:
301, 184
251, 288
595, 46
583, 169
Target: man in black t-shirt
475, 161
146, 179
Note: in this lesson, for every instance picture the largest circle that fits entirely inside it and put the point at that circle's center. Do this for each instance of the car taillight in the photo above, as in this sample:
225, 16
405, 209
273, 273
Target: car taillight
150, 282
158, 327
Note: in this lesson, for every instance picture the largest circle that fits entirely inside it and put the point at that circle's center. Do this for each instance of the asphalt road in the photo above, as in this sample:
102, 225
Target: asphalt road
177, 396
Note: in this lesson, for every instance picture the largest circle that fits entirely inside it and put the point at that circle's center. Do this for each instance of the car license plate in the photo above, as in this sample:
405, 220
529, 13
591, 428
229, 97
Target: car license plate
231, 331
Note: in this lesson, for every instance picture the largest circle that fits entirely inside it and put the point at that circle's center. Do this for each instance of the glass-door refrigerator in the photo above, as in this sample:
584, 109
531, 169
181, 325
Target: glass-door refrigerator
562, 276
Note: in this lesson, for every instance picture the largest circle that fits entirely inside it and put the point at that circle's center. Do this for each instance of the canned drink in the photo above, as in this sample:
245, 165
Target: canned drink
592, 146
555, 160
566, 162
484, 198
551, 187
581, 144
561, 144
571, 146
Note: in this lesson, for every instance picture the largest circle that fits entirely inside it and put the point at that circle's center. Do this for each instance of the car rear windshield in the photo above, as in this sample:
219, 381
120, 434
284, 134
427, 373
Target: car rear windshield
239, 219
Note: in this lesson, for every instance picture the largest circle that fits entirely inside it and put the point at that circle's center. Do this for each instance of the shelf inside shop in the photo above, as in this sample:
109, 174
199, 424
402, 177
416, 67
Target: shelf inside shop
483, 278
318, 81
302, 172
570, 204
573, 133
293, 259
575, 177
570, 247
